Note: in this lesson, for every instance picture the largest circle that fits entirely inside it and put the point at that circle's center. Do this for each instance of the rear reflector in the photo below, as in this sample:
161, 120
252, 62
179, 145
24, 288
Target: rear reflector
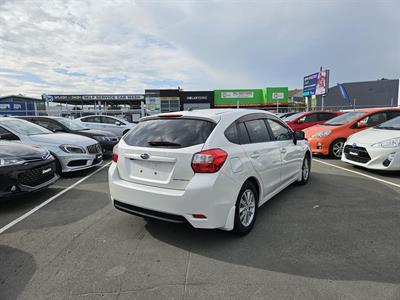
115, 153
209, 161
199, 216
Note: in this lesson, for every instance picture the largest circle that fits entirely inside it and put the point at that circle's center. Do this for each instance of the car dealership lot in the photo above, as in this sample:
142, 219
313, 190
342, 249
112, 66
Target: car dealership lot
334, 238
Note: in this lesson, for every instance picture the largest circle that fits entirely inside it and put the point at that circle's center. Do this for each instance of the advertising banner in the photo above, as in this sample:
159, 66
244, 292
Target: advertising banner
316, 84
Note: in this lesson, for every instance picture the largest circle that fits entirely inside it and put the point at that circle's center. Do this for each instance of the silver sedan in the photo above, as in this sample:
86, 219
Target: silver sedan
72, 152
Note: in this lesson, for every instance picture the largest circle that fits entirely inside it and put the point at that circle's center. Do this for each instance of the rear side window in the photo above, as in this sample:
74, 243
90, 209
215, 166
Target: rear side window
169, 133
231, 134
309, 118
258, 131
94, 119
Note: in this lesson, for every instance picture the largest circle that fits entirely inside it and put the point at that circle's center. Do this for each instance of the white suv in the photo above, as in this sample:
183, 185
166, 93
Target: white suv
211, 168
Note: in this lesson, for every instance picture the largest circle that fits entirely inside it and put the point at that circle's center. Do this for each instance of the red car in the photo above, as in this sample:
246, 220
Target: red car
307, 119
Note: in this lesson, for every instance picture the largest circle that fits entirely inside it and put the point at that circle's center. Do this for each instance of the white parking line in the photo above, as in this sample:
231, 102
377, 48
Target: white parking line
358, 173
24, 216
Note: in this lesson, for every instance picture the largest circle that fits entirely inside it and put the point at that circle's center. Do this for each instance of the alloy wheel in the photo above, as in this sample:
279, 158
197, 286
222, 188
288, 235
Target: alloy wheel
247, 207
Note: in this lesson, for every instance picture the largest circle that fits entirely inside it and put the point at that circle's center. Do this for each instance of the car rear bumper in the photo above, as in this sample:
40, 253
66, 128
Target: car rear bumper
211, 195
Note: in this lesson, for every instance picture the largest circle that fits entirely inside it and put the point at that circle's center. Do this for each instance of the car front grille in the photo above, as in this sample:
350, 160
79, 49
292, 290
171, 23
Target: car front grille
357, 154
38, 176
93, 149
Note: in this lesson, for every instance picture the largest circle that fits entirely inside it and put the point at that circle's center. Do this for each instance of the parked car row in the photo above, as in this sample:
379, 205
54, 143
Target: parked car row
35, 151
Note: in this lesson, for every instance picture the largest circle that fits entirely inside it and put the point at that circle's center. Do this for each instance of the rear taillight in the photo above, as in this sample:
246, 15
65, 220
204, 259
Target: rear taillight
209, 161
115, 153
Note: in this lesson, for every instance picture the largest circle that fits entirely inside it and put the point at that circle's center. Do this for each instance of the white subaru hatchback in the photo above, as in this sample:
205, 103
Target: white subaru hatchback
211, 168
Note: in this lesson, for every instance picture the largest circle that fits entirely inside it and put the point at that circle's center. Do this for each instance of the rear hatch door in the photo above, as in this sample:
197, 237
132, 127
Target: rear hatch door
158, 152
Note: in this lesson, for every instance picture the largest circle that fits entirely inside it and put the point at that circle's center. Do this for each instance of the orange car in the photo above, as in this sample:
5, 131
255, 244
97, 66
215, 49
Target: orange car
328, 138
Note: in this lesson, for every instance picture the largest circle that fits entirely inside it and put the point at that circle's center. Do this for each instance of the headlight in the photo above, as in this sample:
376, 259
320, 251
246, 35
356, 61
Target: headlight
321, 134
4, 162
72, 149
392, 143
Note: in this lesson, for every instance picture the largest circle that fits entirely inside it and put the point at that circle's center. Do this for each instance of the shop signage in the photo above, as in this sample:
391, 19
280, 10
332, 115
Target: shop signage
230, 95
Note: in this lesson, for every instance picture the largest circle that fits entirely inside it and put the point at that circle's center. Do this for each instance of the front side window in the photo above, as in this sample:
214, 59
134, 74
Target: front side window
169, 133
71, 124
309, 118
279, 131
258, 131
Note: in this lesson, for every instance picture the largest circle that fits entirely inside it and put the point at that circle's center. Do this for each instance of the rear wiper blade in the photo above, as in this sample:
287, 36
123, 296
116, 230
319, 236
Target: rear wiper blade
163, 143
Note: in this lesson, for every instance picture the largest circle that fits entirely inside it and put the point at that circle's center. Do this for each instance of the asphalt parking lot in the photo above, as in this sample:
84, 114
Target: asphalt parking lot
336, 238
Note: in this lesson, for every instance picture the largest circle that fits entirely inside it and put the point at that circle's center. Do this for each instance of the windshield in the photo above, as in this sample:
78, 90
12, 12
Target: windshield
293, 117
25, 127
71, 124
345, 118
393, 124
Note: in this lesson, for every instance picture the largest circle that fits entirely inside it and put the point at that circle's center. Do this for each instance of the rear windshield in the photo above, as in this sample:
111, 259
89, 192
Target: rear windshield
293, 117
169, 133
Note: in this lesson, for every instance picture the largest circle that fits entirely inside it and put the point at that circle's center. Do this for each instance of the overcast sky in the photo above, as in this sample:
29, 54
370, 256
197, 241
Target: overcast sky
76, 46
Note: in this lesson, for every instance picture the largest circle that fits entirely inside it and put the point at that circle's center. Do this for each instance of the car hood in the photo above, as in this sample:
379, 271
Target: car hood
94, 132
372, 136
19, 150
62, 138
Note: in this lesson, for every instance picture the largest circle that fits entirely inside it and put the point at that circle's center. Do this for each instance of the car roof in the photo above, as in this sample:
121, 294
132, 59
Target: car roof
213, 114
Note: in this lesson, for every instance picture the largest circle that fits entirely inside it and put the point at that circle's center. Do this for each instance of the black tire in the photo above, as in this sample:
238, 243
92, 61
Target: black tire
334, 148
305, 170
240, 226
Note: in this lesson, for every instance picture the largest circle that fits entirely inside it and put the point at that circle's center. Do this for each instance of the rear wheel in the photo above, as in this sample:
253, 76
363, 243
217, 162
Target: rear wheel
336, 148
246, 209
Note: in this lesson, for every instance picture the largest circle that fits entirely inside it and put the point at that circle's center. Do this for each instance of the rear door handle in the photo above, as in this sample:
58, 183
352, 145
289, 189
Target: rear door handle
255, 155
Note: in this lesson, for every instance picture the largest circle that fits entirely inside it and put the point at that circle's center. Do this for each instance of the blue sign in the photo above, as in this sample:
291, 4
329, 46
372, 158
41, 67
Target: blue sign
316, 84
343, 93
310, 85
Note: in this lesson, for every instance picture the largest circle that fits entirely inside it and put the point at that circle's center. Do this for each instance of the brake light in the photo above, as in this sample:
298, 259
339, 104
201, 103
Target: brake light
115, 153
209, 161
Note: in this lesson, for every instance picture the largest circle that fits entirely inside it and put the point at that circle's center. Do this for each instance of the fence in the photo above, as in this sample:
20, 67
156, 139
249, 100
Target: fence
133, 115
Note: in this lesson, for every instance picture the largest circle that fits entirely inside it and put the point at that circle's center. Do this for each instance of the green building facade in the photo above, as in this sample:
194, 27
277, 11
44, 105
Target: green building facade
270, 96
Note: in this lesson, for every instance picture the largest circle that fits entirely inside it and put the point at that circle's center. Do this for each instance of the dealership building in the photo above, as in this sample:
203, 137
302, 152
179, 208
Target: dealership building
17, 105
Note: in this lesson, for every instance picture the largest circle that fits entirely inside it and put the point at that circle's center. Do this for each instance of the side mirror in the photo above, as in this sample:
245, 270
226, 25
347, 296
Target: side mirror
118, 123
8, 137
298, 136
361, 125
300, 121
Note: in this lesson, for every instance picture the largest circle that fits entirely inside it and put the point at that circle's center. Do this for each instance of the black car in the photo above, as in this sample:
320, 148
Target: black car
107, 140
25, 168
